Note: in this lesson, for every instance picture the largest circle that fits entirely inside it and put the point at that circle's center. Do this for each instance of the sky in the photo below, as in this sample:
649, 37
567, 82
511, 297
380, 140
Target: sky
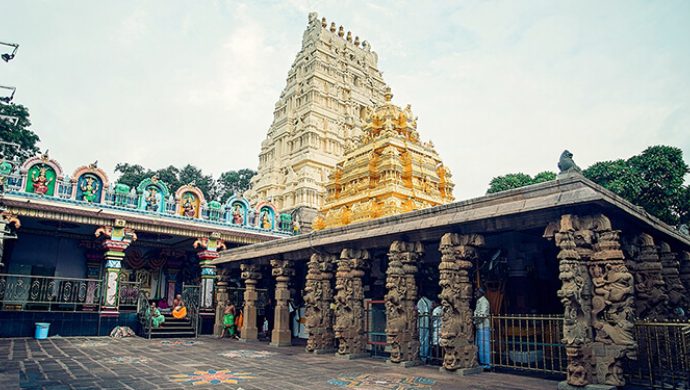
499, 86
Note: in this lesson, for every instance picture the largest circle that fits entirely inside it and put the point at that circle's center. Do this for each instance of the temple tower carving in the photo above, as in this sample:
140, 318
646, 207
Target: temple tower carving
332, 85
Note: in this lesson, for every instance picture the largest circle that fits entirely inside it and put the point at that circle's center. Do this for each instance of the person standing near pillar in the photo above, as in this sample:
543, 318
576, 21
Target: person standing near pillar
481, 321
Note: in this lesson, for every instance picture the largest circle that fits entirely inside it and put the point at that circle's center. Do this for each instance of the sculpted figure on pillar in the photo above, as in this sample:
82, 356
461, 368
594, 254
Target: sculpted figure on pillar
318, 298
673, 286
575, 294
349, 302
649, 283
458, 252
591, 242
401, 310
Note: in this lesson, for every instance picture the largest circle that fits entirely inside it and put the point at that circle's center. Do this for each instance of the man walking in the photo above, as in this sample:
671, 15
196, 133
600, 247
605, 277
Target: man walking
483, 332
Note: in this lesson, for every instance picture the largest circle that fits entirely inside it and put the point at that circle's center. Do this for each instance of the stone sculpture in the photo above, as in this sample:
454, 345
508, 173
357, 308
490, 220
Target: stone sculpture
318, 298
401, 311
349, 302
597, 295
673, 286
649, 283
566, 163
458, 252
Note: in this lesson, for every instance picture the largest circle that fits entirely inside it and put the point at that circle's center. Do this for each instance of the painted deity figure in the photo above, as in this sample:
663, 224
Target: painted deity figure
188, 209
152, 199
237, 217
296, 227
265, 220
41, 182
89, 188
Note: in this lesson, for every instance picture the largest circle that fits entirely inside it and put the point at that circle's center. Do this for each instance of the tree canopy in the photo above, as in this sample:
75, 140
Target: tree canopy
17, 133
653, 179
228, 183
517, 180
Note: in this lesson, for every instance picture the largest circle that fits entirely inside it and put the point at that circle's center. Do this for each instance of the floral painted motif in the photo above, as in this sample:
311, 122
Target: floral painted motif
212, 377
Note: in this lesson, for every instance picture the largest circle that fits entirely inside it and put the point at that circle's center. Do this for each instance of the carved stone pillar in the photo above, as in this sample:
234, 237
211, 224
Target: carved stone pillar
282, 272
458, 252
649, 283
318, 299
221, 290
685, 270
576, 296
250, 275
677, 295
402, 334
613, 310
119, 239
349, 303
597, 294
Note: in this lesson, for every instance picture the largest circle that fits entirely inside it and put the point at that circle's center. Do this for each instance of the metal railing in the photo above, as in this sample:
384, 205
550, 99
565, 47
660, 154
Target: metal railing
528, 342
49, 293
129, 294
663, 356
191, 297
429, 325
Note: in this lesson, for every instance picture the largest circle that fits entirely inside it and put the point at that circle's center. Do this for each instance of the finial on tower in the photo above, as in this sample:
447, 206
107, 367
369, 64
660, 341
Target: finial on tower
332, 27
388, 95
341, 31
324, 24
349, 36
356, 41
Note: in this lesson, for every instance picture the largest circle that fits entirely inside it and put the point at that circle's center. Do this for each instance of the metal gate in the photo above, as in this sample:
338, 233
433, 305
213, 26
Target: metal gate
375, 327
528, 342
663, 356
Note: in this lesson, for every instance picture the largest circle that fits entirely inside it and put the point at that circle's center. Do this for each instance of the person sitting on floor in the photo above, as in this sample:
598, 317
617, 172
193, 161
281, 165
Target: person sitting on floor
154, 315
179, 309
228, 320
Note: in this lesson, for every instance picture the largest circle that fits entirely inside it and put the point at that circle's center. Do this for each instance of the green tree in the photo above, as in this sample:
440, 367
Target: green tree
191, 174
132, 174
18, 133
234, 182
517, 180
652, 179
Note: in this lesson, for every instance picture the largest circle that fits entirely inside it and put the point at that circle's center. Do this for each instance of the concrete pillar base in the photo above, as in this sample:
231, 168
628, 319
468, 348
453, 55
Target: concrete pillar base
405, 364
281, 344
464, 371
566, 386
352, 356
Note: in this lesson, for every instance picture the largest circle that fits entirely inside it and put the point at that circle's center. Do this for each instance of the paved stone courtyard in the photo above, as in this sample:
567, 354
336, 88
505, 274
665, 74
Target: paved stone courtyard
135, 363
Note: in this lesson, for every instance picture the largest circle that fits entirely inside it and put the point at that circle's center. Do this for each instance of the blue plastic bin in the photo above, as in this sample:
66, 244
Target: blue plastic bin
42, 330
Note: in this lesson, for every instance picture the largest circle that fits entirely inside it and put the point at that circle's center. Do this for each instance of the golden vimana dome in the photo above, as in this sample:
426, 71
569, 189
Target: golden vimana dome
387, 171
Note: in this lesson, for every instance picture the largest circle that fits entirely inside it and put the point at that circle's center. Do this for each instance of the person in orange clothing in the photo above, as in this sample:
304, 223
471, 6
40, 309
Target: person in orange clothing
179, 310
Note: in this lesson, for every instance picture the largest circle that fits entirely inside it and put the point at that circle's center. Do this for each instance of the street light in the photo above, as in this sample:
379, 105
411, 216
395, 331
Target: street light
7, 99
8, 56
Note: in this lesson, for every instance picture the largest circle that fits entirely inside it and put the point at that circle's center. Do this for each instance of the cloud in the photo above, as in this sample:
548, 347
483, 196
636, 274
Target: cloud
498, 86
